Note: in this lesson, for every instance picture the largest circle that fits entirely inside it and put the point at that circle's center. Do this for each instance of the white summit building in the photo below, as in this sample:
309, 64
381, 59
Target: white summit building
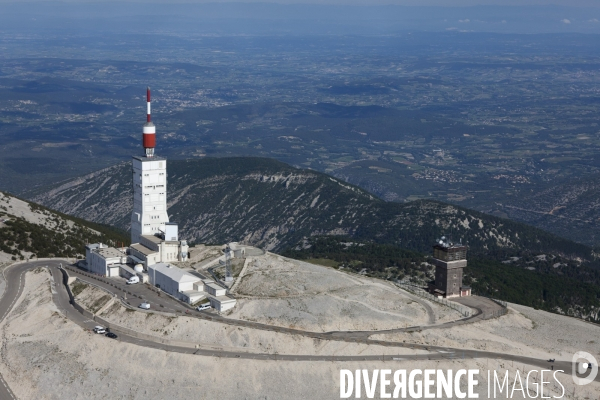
154, 239
149, 214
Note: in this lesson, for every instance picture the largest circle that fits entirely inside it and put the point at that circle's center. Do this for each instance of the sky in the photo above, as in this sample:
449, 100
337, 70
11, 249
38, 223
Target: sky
445, 3
304, 16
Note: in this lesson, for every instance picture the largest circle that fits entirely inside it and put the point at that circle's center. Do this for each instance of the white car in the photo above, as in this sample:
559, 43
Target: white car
145, 306
203, 307
100, 329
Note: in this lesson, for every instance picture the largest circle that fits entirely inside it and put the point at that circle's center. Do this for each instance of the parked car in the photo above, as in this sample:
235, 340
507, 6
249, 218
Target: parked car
203, 307
111, 335
145, 306
134, 279
100, 329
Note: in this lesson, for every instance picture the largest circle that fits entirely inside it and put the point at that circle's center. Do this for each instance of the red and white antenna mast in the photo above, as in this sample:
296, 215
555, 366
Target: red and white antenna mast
149, 136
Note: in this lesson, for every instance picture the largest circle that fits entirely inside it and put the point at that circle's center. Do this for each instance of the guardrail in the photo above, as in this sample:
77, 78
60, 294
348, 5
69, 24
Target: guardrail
497, 313
417, 290
119, 328
81, 310
502, 303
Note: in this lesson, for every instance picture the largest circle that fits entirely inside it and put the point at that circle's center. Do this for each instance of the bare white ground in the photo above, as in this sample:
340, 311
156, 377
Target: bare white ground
45, 356
296, 294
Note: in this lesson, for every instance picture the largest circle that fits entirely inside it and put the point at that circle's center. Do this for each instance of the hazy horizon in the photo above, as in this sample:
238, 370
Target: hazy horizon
416, 3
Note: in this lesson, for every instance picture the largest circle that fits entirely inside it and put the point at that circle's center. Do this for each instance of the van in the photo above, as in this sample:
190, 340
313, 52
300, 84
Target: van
203, 307
133, 279
99, 329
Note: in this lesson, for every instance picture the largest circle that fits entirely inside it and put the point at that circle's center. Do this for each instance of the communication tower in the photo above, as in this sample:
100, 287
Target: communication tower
228, 274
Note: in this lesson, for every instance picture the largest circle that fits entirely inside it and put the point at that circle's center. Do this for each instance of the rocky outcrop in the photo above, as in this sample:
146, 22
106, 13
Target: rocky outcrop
269, 204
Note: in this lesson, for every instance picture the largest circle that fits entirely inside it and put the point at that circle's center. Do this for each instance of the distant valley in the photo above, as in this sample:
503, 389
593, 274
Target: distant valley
480, 120
570, 209
270, 204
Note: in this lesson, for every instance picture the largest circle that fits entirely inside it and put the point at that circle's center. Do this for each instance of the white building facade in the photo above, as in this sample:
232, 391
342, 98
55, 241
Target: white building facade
189, 288
149, 215
175, 282
103, 260
155, 249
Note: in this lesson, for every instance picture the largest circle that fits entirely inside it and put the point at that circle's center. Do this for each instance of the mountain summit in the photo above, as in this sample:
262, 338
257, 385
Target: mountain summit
270, 204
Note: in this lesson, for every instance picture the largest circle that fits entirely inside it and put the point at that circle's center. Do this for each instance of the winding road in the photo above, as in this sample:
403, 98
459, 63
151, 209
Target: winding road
15, 277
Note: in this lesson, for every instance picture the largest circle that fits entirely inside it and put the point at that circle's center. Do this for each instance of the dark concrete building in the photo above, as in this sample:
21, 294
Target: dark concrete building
449, 259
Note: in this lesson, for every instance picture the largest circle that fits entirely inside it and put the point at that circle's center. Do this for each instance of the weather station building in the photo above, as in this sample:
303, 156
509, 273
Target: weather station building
104, 260
155, 241
176, 282
449, 259
189, 288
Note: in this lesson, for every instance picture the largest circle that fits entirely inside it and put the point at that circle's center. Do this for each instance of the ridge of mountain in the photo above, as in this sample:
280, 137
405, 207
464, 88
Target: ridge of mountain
28, 230
570, 209
270, 204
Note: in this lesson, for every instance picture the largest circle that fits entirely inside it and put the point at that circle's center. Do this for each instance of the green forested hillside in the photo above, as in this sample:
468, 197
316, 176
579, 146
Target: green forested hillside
28, 230
271, 204
574, 291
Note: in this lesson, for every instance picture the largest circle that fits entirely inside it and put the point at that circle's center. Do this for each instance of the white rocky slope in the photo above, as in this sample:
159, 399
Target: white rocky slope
12, 208
45, 356
295, 294
27, 230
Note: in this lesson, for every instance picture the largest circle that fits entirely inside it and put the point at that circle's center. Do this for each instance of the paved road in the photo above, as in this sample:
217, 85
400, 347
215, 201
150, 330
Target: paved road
15, 280
160, 301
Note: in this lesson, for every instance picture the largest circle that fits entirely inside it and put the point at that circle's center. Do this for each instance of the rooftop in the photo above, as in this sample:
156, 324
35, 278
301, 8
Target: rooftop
443, 243
128, 269
159, 240
224, 299
92, 246
109, 252
142, 249
152, 238
176, 274
449, 245
214, 286
193, 293
144, 158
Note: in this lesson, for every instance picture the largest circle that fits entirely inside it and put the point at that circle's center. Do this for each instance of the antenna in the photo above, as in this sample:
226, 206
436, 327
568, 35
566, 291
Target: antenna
148, 101
149, 130
228, 275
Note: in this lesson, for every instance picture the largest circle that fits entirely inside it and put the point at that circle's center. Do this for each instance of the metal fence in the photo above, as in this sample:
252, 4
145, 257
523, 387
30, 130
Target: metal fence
416, 290
495, 314
122, 329
502, 303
